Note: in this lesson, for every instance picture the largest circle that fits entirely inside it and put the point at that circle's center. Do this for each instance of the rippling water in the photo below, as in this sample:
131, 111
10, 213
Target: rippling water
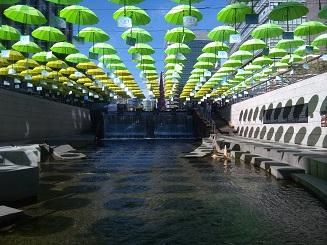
143, 192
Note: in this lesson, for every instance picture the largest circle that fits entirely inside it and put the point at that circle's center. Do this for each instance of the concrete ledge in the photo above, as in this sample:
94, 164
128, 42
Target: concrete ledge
18, 183
256, 161
315, 185
285, 172
237, 154
267, 164
247, 157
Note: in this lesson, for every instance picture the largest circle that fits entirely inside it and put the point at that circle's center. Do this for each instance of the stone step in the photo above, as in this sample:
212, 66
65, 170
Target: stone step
256, 161
267, 164
315, 185
247, 157
285, 172
237, 154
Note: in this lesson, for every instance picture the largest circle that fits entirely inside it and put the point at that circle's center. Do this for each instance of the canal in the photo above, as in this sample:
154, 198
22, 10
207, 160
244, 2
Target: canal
143, 192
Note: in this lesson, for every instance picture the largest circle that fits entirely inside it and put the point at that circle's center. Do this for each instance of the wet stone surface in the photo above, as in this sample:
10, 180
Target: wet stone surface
143, 192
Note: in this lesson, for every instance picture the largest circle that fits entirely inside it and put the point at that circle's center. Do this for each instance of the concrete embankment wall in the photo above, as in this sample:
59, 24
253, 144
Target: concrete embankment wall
309, 95
24, 118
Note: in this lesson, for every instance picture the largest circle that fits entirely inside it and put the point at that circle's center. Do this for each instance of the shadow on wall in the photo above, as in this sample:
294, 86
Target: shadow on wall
256, 113
245, 115
287, 109
279, 133
277, 111
312, 105
241, 131
263, 132
251, 132
262, 112
246, 132
300, 136
289, 134
250, 115
323, 108
241, 116
324, 142
270, 133
256, 132
314, 136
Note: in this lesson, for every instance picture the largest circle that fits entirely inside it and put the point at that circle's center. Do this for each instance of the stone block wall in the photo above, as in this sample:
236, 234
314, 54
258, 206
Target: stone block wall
247, 116
24, 117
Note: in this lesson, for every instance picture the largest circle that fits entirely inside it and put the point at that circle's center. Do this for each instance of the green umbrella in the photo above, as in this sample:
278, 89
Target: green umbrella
222, 33
292, 58
145, 59
126, 2
25, 14
2, 47
289, 43
187, 1
203, 65
139, 34
102, 49
118, 66
49, 34
323, 13
214, 47
110, 59
9, 1
146, 67
141, 48
65, 2
226, 70
77, 58
93, 34
241, 55
266, 31
64, 48
277, 53
262, 61
175, 15
208, 57
138, 16
174, 59
26, 47
280, 65
9, 33
176, 48
44, 57
179, 35
288, 11
252, 67
234, 13
310, 28
320, 41
233, 63
79, 15
253, 45
302, 51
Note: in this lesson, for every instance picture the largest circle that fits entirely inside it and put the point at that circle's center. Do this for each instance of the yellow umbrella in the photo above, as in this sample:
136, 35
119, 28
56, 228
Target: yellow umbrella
101, 77
68, 71
63, 79
17, 68
15, 55
41, 68
27, 63
4, 71
52, 75
86, 66
84, 80
97, 71
28, 72
3, 62
75, 77
57, 64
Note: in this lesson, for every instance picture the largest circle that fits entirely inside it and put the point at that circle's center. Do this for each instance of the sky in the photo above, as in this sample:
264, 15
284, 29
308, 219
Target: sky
156, 9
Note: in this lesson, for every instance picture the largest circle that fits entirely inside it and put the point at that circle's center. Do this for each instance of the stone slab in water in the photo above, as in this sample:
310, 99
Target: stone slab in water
285, 172
9, 215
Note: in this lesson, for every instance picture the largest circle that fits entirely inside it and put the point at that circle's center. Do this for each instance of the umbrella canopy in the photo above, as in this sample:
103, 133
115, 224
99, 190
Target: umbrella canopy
146, 59
25, 14
288, 11
234, 13
176, 48
323, 13
86, 65
77, 58
64, 48
141, 48
253, 45
117, 66
268, 30
138, 16
302, 51
9, 33
252, 67
280, 65
139, 34
289, 43
277, 53
175, 15
3, 62
146, 67
310, 28
208, 57
187, 1
174, 59
214, 47
44, 57
110, 58
179, 35
79, 15
15, 55
9, 1
29, 63
102, 49
293, 58
203, 65
222, 33
262, 61
65, 2
241, 55
57, 64
93, 34
49, 34
27, 47
320, 41
233, 63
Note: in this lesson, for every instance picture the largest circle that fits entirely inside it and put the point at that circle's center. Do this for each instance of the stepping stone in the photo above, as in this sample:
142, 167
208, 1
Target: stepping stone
285, 172
256, 161
9, 215
237, 154
247, 157
267, 164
